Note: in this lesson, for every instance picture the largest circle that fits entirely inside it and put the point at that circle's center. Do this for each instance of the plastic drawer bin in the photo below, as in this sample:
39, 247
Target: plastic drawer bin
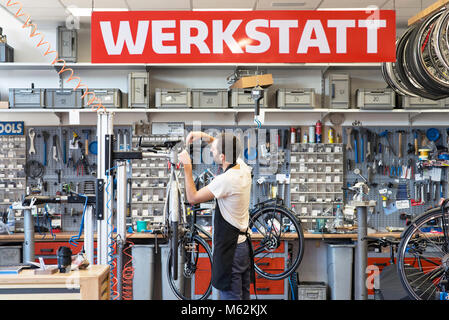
6, 53
10, 254
143, 264
340, 259
64, 98
312, 291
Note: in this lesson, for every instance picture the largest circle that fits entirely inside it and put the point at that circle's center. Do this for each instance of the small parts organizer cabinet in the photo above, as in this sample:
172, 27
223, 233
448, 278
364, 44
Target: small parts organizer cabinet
12, 171
266, 289
148, 185
316, 181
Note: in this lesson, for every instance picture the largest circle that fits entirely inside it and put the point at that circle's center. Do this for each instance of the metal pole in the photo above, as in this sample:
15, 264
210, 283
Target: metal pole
28, 244
361, 254
121, 222
89, 234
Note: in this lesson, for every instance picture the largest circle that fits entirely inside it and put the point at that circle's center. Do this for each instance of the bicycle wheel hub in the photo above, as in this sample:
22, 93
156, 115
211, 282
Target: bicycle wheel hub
270, 243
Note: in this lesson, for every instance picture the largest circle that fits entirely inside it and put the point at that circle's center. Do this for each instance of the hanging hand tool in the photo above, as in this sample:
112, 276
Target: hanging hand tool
86, 141
355, 134
55, 149
45, 135
415, 136
362, 144
401, 132
349, 137
64, 145
385, 134
31, 134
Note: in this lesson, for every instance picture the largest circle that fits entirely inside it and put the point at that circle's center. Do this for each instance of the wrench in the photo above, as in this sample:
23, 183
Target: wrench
32, 134
55, 149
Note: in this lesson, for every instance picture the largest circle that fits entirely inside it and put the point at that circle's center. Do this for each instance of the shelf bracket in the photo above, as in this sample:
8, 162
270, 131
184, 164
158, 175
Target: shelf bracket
412, 117
59, 115
236, 118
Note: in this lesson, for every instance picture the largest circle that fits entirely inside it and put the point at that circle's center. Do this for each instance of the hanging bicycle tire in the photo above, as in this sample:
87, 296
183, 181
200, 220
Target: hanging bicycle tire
423, 257
274, 222
196, 262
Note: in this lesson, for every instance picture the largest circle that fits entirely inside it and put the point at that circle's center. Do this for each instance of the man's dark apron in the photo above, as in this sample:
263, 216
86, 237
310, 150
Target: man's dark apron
225, 243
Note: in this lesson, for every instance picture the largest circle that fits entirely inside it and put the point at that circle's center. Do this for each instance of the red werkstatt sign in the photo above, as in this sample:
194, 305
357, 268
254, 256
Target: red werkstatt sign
243, 36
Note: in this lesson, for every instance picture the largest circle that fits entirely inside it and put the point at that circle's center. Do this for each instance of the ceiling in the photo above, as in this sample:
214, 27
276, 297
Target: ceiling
56, 10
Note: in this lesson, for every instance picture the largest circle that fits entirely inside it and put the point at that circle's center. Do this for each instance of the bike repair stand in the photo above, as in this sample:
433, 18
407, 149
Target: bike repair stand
361, 256
105, 197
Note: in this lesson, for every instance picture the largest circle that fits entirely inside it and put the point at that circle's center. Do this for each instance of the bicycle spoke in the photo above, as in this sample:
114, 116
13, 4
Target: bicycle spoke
432, 242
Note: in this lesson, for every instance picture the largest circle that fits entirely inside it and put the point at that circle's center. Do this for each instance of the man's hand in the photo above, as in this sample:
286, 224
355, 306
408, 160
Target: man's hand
184, 157
193, 136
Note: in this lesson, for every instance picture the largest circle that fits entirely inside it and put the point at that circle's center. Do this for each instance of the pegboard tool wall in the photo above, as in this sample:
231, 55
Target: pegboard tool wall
279, 141
57, 172
390, 217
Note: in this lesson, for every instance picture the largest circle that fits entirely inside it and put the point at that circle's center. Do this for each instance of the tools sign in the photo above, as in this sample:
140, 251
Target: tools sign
11, 128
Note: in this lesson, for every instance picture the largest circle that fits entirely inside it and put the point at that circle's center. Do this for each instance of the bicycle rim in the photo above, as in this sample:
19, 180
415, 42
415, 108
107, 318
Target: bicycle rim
194, 265
423, 258
274, 223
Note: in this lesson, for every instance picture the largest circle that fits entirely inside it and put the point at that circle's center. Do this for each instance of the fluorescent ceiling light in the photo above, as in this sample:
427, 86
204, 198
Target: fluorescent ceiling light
369, 8
288, 4
87, 12
222, 9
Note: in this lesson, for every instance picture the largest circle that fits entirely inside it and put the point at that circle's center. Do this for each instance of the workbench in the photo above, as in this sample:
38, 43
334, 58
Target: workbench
89, 284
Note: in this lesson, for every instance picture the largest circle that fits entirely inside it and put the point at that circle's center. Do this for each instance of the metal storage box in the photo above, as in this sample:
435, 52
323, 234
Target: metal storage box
109, 97
67, 44
376, 99
173, 98
10, 255
422, 103
210, 98
296, 98
27, 98
6, 53
337, 89
312, 291
64, 98
241, 98
138, 90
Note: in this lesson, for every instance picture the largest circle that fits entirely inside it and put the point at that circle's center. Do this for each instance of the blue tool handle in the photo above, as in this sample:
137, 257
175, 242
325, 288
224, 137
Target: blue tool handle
356, 151
45, 153
362, 148
65, 152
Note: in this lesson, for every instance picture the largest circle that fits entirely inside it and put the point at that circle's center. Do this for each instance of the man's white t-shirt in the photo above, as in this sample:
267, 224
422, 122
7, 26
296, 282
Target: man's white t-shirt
232, 190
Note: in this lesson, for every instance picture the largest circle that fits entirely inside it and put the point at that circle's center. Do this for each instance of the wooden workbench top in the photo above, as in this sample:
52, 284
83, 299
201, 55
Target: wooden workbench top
65, 236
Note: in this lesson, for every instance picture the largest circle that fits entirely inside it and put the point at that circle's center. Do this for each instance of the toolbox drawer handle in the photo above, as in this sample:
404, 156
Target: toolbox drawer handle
297, 91
100, 91
46, 250
66, 92
380, 264
263, 264
263, 289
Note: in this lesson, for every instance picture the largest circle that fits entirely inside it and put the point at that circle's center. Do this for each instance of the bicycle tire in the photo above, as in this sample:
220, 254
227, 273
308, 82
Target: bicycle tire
207, 251
271, 242
431, 276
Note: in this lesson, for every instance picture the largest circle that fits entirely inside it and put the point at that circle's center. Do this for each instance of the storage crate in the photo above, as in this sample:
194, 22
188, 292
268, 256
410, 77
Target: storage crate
423, 103
109, 97
67, 44
6, 53
138, 90
296, 98
312, 291
337, 90
241, 98
10, 255
173, 98
210, 98
376, 99
26, 98
64, 98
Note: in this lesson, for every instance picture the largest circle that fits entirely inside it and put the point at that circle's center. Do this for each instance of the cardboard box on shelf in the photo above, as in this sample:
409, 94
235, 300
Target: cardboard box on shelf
263, 80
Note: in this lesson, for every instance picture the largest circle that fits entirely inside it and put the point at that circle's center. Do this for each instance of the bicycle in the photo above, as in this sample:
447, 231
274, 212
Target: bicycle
423, 255
270, 220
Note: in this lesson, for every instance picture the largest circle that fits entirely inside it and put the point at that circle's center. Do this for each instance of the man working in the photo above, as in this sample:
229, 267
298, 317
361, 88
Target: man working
232, 265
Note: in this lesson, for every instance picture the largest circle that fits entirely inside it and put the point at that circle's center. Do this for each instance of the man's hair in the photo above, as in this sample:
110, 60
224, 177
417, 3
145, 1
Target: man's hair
229, 145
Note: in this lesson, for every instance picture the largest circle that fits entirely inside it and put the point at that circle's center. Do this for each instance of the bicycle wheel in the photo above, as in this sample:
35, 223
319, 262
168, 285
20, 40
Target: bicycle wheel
423, 256
195, 262
274, 222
